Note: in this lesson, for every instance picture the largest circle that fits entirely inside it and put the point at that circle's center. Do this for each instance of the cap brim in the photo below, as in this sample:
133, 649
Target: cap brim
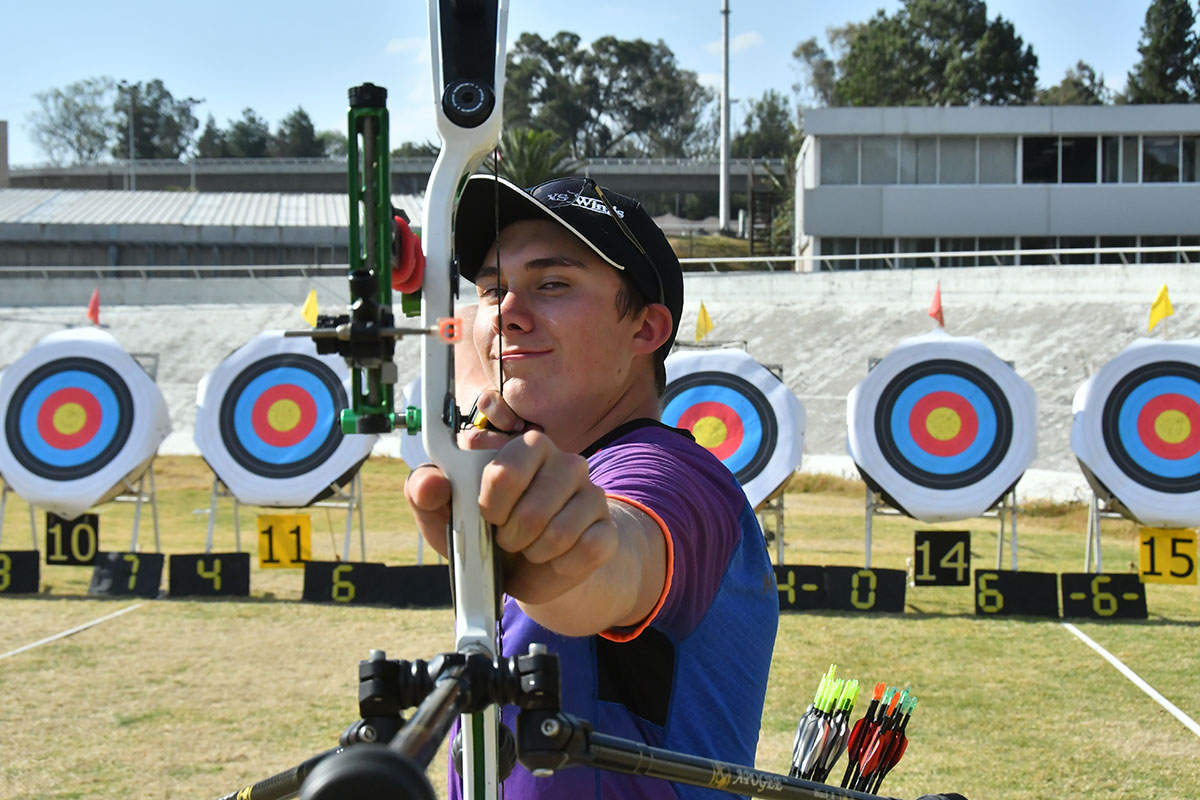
487, 205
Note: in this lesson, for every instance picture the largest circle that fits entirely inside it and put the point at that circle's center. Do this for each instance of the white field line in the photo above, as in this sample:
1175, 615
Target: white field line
1137, 681
76, 629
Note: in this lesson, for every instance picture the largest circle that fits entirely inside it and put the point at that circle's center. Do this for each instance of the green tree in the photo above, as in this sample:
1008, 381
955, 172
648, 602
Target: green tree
74, 124
249, 137
930, 52
163, 127
1169, 71
769, 130
529, 157
615, 98
426, 149
296, 137
1079, 87
212, 142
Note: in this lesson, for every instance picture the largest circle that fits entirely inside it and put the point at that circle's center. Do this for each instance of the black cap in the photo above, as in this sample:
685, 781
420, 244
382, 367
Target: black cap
641, 250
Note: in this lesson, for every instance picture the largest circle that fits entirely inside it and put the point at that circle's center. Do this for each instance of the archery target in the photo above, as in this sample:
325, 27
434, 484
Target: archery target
267, 422
738, 410
1136, 432
80, 417
942, 427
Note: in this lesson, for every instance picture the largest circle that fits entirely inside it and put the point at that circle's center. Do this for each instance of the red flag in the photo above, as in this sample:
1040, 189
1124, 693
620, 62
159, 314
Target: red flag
935, 308
93, 312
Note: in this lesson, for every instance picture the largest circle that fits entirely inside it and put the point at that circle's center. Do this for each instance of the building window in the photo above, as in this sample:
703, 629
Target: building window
839, 160
1077, 243
918, 160
1160, 159
1159, 241
1191, 166
997, 160
1110, 158
1129, 159
997, 243
875, 247
956, 160
879, 159
1118, 258
834, 246
1038, 243
1079, 159
916, 246
955, 245
1039, 159
1189, 241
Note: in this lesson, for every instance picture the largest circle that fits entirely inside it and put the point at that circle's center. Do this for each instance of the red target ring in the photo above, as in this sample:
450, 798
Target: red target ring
1169, 426
943, 423
69, 418
283, 415
715, 426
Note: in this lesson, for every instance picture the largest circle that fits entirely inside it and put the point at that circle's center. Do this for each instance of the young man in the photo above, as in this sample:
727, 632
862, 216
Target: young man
628, 548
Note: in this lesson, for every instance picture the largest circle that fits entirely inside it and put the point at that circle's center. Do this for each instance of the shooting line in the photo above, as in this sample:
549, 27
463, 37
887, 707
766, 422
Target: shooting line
1136, 679
76, 629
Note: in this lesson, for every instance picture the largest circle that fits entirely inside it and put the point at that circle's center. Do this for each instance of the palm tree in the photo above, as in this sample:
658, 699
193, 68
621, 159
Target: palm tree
528, 157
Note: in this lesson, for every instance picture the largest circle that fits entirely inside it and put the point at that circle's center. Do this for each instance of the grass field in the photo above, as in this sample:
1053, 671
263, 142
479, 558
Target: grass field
192, 699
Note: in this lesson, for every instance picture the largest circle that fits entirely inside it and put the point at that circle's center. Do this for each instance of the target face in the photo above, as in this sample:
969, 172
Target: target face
80, 417
267, 423
1152, 426
942, 427
279, 416
740, 412
1136, 432
69, 418
943, 424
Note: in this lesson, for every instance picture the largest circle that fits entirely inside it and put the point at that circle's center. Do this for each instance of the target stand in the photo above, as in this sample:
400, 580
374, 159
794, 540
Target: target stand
348, 496
4, 490
1004, 512
1098, 508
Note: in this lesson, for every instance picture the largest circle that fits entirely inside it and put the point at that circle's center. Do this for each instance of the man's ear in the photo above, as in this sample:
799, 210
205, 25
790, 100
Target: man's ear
655, 329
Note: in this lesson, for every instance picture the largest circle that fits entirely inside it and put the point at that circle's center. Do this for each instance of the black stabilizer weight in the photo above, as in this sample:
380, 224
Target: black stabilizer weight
369, 772
368, 96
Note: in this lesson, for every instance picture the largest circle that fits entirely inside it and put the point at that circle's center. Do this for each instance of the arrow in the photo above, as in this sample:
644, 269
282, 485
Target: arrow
861, 734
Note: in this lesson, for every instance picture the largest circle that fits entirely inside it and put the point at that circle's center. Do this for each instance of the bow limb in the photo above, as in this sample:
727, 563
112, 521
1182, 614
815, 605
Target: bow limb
467, 40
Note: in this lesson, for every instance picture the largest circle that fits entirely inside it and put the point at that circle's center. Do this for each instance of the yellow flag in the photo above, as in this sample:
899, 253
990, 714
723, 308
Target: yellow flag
704, 323
1161, 308
309, 309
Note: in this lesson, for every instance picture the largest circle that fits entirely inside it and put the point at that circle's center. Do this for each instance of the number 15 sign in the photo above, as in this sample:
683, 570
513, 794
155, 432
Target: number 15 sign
1167, 555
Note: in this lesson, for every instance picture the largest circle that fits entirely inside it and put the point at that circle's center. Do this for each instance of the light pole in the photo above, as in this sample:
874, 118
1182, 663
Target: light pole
132, 90
724, 181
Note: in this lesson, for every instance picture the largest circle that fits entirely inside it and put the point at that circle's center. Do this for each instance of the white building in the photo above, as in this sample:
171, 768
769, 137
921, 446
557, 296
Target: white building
940, 180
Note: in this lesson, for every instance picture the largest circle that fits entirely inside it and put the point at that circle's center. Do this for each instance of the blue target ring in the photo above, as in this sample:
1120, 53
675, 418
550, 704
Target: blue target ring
104, 388
980, 458
759, 428
306, 381
752, 430
307, 375
917, 456
1119, 424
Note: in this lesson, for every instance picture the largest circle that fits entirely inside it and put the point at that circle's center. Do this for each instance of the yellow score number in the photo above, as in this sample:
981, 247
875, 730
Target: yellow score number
284, 541
1167, 555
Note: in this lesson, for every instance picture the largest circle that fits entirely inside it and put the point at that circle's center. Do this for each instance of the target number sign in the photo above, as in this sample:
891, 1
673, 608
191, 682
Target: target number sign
942, 558
210, 575
801, 587
1115, 596
19, 571
284, 541
870, 590
124, 574
341, 582
1003, 592
72, 542
1167, 555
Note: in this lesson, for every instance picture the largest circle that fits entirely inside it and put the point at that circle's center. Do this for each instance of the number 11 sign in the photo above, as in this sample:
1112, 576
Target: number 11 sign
284, 541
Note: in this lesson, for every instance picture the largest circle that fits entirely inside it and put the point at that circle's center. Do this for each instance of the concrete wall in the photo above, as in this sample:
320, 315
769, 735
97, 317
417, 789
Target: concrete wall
3, 154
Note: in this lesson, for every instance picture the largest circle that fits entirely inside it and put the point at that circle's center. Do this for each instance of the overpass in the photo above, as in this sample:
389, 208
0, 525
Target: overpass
409, 175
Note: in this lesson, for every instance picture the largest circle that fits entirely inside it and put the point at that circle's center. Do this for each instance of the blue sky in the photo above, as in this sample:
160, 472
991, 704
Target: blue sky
273, 56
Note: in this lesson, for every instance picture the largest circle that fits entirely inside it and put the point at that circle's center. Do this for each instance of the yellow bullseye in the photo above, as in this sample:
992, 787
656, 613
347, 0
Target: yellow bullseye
1172, 426
943, 423
69, 418
283, 415
710, 432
